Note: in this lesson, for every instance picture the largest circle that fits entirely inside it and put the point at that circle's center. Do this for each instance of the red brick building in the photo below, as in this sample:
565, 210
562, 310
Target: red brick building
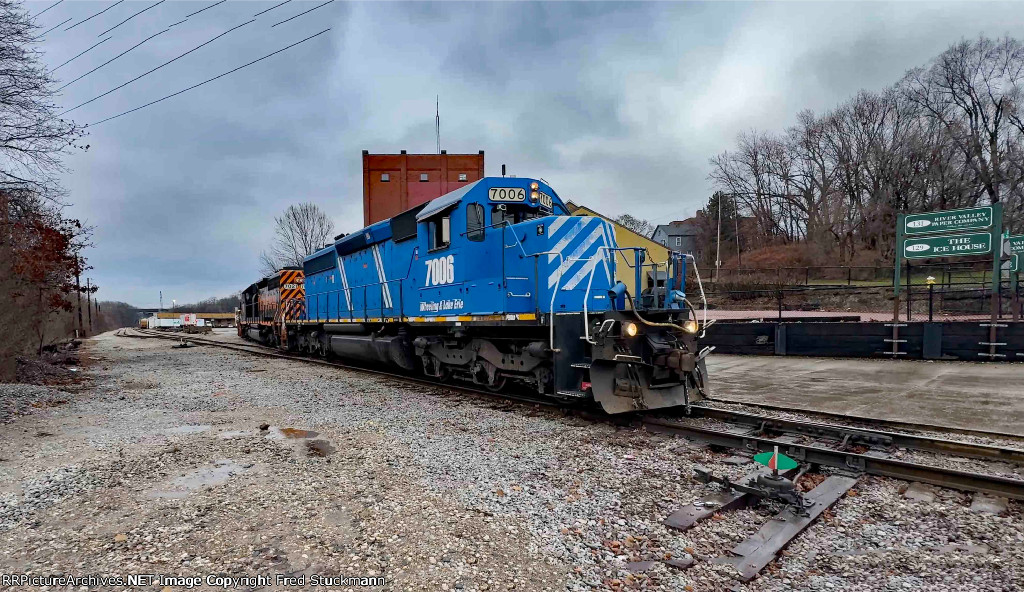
393, 183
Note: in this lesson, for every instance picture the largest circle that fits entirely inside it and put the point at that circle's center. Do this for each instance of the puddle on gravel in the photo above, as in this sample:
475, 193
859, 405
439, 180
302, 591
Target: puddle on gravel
319, 448
229, 435
187, 429
208, 476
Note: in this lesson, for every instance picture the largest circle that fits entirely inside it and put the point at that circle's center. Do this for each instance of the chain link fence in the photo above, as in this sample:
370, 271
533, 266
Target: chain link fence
929, 292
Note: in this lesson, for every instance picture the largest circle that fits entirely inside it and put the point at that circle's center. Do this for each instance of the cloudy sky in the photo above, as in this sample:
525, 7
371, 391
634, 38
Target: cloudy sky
617, 105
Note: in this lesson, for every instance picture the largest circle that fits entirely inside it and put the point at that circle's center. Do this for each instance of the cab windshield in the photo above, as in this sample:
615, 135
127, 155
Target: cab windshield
514, 214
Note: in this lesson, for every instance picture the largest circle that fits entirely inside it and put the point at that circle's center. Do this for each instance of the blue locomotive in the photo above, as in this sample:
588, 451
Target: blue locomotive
496, 283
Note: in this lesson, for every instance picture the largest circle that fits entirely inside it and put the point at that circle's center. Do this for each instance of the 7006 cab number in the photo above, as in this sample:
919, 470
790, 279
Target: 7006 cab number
440, 271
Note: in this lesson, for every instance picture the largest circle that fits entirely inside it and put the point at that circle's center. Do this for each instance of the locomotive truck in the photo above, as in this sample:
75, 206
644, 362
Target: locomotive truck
494, 283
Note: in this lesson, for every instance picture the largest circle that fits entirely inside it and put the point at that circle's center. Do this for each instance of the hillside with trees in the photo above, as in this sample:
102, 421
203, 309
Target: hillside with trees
949, 134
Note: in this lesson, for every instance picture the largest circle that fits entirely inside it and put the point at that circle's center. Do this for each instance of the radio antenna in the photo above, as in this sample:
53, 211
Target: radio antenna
437, 121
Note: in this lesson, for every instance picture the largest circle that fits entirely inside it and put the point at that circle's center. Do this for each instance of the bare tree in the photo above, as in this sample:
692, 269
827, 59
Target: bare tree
32, 136
637, 225
300, 231
972, 90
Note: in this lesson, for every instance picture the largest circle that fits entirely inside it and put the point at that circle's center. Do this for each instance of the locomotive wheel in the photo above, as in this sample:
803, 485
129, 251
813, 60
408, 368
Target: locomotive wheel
499, 383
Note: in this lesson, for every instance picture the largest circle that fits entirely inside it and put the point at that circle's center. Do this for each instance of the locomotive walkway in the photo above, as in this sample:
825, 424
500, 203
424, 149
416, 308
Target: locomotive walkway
960, 395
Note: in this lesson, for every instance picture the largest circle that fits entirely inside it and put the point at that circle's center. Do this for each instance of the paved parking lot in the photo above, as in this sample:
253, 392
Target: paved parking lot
963, 395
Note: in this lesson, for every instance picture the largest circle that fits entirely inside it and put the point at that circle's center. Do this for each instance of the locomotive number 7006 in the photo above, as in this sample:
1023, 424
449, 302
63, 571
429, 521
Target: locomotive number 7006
440, 271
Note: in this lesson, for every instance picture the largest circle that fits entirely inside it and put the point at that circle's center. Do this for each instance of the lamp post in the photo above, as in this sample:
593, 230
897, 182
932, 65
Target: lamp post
930, 280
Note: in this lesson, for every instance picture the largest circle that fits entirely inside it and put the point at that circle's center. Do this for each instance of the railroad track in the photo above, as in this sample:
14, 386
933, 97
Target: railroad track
270, 352
854, 450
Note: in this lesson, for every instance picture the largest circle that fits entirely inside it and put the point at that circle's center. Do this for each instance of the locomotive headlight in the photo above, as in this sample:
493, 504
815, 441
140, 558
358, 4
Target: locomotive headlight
534, 186
690, 326
534, 196
629, 329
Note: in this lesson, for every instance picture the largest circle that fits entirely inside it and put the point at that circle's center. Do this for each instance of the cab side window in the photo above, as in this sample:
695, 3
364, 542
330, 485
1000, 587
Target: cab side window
498, 215
440, 229
475, 222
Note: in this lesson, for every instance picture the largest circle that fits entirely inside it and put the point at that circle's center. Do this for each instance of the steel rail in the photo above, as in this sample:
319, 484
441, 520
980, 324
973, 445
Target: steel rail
267, 351
890, 424
872, 465
866, 437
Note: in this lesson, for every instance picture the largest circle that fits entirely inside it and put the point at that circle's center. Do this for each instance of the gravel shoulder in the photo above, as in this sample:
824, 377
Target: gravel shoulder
158, 464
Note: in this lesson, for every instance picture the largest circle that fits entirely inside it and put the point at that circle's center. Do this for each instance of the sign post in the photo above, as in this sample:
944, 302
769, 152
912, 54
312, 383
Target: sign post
900, 224
997, 277
1015, 245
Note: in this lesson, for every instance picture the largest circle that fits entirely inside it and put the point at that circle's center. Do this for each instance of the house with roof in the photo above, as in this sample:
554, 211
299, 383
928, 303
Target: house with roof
679, 235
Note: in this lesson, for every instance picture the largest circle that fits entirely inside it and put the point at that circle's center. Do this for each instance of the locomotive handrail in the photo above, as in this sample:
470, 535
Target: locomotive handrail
365, 287
554, 293
703, 298
515, 236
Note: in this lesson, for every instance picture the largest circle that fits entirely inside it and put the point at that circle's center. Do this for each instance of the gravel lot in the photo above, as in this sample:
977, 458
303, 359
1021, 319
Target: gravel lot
158, 464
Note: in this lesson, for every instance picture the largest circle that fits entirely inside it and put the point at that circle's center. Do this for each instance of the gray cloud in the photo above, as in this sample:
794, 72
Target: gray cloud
619, 105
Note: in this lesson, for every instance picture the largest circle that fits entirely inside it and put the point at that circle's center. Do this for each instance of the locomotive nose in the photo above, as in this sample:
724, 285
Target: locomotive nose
646, 366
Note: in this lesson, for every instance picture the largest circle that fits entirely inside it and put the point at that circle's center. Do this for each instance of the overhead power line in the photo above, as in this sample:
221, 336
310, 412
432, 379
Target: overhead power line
130, 18
94, 16
47, 8
212, 79
113, 58
272, 7
79, 55
301, 13
158, 67
207, 8
43, 34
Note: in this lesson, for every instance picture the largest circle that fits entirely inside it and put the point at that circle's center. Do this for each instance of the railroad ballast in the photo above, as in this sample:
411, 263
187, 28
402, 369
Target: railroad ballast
493, 283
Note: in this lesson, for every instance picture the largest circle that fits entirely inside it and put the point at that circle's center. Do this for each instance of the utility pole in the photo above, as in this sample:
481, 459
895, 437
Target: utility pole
718, 245
736, 217
88, 300
78, 288
161, 302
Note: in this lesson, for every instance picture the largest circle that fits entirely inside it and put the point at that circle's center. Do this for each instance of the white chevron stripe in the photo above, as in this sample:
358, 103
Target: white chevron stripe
582, 273
578, 228
574, 257
554, 226
379, 263
609, 241
344, 284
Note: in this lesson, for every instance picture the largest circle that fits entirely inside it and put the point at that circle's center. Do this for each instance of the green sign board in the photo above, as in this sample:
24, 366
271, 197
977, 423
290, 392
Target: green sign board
1015, 262
956, 245
947, 221
1016, 244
